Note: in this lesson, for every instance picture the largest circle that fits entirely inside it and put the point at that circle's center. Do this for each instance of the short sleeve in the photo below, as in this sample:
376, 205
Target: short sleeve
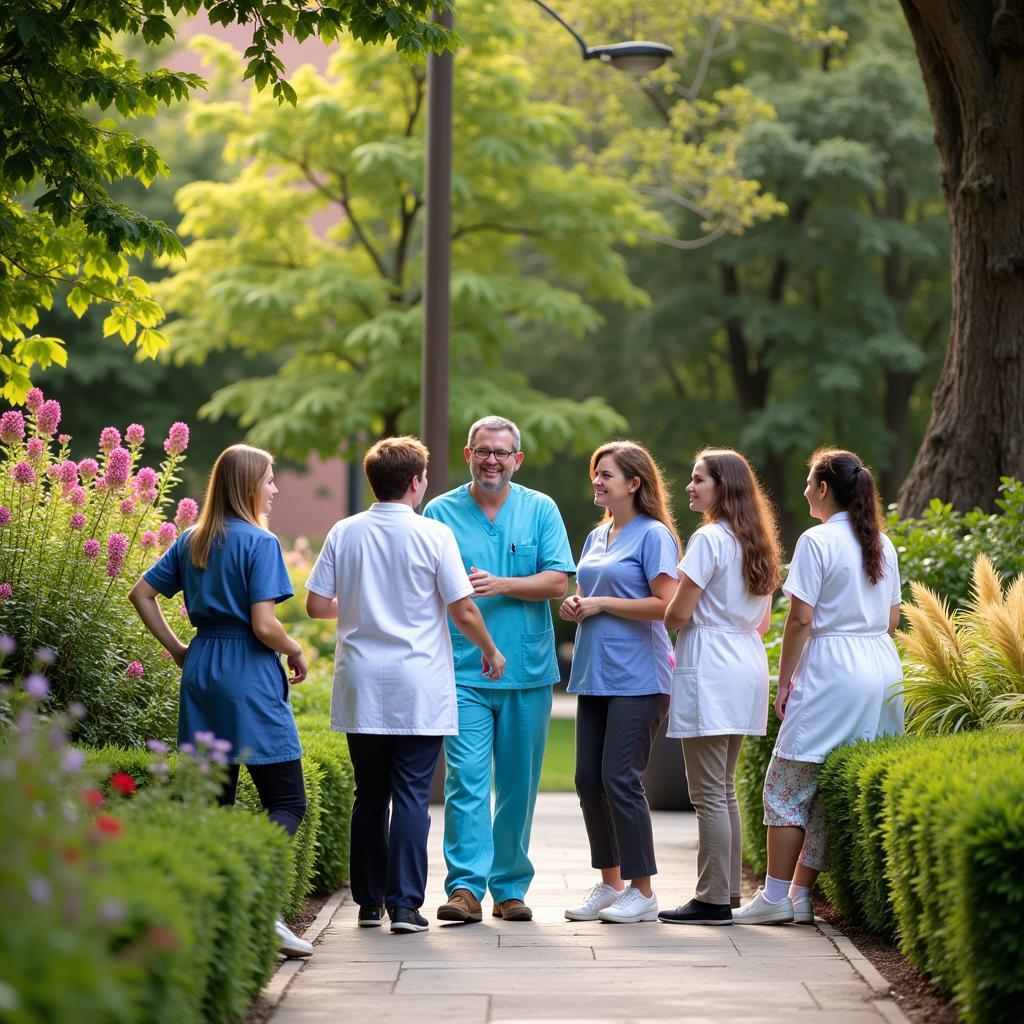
553, 551
700, 561
806, 572
452, 582
322, 579
659, 553
267, 575
896, 591
164, 576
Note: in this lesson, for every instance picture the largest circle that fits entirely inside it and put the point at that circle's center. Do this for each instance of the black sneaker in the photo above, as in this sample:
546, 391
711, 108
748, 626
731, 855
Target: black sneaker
698, 912
371, 917
405, 920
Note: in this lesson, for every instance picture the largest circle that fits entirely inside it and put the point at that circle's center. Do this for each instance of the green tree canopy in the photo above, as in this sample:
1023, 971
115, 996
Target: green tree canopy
58, 222
313, 251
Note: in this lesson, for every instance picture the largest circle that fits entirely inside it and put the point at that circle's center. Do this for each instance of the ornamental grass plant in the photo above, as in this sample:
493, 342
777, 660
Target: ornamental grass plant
74, 536
964, 669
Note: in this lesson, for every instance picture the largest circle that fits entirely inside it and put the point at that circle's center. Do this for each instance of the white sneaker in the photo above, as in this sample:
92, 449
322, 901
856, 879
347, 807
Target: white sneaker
803, 911
290, 944
596, 898
630, 905
760, 911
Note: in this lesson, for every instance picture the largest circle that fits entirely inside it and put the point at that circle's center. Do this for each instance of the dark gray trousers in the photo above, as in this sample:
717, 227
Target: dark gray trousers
614, 736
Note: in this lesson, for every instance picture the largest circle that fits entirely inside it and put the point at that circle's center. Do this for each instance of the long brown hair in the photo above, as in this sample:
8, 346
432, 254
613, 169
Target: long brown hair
651, 497
743, 505
233, 490
854, 490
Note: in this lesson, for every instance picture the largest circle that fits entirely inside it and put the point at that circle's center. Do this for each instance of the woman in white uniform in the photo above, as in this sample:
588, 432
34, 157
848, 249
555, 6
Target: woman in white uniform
720, 684
838, 674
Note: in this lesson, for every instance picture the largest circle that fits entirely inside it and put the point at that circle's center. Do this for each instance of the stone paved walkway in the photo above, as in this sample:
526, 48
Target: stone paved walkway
556, 970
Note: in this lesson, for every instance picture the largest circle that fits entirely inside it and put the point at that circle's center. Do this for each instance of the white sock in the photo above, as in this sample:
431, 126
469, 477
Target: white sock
776, 889
799, 892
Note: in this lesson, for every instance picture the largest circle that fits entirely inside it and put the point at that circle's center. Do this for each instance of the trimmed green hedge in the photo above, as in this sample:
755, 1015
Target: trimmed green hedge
927, 842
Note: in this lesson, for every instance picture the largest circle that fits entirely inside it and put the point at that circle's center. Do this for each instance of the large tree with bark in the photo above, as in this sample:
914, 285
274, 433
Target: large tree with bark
972, 60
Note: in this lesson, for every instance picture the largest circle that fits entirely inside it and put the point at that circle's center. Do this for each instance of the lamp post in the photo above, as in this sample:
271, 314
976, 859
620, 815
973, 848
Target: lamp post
632, 58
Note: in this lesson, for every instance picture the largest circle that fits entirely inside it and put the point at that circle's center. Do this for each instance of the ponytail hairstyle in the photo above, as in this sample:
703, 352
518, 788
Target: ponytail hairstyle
743, 505
651, 498
233, 490
853, 488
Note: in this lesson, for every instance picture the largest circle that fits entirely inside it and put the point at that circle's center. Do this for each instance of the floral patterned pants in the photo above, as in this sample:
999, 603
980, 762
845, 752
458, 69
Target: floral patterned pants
792, 798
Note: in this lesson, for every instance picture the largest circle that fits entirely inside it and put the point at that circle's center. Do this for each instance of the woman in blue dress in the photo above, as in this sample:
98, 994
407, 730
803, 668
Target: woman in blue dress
233, 685
622, 673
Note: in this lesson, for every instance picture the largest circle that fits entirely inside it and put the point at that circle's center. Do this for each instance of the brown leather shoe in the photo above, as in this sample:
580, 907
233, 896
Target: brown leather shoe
512, 910
462, 906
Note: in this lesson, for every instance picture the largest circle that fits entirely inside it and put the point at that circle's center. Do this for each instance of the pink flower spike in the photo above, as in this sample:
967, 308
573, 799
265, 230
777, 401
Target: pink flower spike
12, 427
35, 448
5, 515
135, 670
157, 746
88, 468
148, 540
23, 474
64, 438
7, 645
91, 549
6, 591
34, 399
167, 534
188, 512
48, 417
67, 474
117, 545
77, 521
127, 507
110, 438
135, 434
177, 438
73, 760
77, 496
119, 467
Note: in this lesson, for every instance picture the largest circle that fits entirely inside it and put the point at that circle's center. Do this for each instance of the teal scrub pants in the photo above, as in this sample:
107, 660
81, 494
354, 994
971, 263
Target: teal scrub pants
509, 729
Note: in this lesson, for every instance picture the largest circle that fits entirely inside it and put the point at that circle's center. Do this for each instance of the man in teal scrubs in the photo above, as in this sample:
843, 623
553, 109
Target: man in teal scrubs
515, 549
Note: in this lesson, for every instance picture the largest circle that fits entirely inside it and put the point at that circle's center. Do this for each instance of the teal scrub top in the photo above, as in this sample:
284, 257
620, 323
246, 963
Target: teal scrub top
526, 537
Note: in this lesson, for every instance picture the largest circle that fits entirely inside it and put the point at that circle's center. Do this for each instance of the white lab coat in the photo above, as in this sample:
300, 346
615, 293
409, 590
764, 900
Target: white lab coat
846, 685
720, 681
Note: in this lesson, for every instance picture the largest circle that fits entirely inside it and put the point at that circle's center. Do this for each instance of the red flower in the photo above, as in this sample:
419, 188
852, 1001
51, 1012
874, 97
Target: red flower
123, 783
109, 825
93, 797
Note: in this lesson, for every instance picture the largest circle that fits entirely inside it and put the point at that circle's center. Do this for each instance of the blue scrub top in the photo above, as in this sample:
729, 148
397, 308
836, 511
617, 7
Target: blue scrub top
232, 684
526, 537
613, 656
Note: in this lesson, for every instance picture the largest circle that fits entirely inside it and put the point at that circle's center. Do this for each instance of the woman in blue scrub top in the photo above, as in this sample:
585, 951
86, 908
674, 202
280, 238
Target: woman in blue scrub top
233, 685
621, 672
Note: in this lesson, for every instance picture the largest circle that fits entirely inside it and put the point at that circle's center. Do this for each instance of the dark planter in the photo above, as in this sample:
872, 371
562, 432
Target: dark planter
665, 778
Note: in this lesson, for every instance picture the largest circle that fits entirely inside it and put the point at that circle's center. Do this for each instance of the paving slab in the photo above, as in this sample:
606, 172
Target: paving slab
554, 970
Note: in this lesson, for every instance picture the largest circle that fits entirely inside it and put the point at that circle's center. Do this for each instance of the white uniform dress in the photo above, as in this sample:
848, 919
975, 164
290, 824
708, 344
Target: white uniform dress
720, 682
846, 685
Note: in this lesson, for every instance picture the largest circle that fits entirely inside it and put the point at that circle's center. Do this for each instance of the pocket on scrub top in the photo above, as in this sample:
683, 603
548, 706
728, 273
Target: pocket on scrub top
684, 711
538, 653
524, 559
627, 658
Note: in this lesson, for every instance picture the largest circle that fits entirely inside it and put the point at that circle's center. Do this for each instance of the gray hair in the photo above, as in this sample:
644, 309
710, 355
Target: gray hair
493, 423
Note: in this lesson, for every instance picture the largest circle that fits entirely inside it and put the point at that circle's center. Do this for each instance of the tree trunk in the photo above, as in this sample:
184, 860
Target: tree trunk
972, 60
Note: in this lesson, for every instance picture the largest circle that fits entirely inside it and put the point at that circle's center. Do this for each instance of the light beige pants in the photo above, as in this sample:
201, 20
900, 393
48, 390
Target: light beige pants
710, 777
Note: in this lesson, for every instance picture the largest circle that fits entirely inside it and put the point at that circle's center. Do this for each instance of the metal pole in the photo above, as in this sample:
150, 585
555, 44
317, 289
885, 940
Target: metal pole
437, 263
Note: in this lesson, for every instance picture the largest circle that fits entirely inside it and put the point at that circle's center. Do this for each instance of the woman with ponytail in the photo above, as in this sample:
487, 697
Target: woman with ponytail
722, 609
234, 691
837, 672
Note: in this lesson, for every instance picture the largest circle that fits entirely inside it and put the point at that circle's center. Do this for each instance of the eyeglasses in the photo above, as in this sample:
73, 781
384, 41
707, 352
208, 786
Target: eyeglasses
483, 454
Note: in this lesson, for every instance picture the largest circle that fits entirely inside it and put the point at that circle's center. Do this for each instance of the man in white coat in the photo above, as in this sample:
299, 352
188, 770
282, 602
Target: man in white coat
390, 576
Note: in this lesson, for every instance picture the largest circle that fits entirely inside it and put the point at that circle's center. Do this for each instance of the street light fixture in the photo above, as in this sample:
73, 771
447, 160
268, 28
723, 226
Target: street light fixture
632, 58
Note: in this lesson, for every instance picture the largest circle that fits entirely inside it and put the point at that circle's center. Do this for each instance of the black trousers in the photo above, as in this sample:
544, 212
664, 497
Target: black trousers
280, 787
614, 736
390, 818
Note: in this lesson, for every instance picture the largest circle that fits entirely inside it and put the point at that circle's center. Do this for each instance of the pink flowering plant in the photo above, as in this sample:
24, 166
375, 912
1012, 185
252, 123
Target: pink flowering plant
74, 537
